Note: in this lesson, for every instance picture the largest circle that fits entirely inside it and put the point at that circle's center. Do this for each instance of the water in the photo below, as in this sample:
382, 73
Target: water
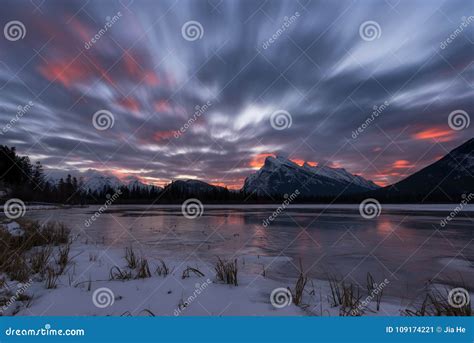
409, 248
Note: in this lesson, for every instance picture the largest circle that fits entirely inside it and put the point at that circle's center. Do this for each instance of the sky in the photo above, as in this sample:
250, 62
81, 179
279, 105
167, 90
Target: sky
166, 90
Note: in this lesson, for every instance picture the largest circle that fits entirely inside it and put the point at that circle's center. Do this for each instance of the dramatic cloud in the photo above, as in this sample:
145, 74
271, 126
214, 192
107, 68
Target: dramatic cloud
208, 89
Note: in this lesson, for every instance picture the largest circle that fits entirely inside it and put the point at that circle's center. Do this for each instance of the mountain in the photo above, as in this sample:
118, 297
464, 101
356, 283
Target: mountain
96, 181
280, 176
445, 180
188, 188
133, 182
342, 175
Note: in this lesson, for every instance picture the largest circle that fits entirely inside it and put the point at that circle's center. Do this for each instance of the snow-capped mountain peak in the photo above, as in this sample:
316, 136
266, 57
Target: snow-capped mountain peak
341, 174
95, 181
280, 176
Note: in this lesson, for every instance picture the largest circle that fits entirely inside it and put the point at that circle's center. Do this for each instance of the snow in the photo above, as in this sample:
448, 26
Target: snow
88, 272
162, 295
159, 295
342, 175
96, 181
279, 172
85, 289
13, 229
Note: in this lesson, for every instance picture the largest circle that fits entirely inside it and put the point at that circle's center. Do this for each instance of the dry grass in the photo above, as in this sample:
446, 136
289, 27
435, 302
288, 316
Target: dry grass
345, 295
51, 279
187, 272
131, 258
435, 303
371, 290
226, 271
162, 269
92, 257
299, 289
118, 274
336, 294
16, 249
147, 311
39, 259
351, 297
63, 257
143, 269
18, 269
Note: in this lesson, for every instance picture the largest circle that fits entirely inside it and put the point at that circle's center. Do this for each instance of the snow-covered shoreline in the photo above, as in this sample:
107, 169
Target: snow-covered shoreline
85, 289
98, 281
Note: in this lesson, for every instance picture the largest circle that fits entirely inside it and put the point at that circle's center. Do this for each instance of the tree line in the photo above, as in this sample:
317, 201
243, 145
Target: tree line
20, 178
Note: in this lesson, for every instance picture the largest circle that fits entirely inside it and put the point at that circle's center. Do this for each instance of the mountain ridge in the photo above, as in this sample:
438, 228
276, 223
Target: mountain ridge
280, 176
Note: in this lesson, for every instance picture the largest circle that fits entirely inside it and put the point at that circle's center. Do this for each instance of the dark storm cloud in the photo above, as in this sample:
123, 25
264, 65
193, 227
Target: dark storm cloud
254, 58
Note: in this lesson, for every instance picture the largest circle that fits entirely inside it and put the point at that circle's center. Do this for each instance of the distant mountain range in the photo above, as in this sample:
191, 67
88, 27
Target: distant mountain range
445, 180
95, 181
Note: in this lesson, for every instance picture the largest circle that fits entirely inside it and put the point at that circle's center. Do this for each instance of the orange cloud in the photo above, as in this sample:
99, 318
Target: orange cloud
162, 106
136, 71
131, 66
65, 72
440, 134
301, 162
402, 164
258, 161
80, 29
230, 184
151, 79
130, 104
298, 161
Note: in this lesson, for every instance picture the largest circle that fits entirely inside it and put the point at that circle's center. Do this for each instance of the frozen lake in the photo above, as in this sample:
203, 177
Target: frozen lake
405, 244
